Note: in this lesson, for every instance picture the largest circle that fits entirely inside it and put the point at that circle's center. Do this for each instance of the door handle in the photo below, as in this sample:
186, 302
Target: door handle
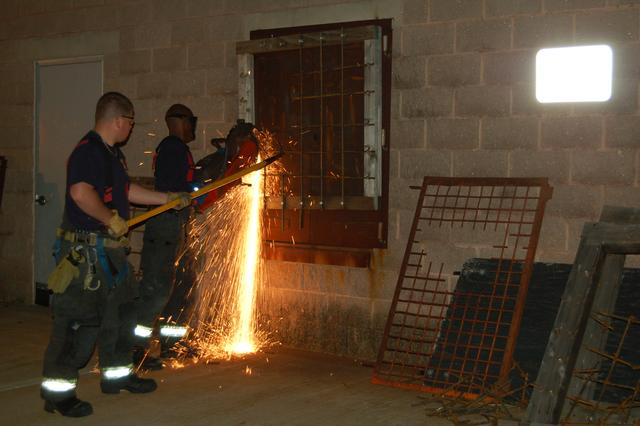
41, 200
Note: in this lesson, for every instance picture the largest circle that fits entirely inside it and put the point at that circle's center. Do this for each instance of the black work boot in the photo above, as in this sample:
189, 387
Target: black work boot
131, 383
70, 407
142, 359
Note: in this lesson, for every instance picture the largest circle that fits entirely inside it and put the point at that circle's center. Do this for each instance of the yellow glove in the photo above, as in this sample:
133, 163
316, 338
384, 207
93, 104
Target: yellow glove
117, 226
183, 197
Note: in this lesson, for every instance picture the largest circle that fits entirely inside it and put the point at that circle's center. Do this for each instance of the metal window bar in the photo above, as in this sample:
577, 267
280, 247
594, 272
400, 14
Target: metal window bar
458, 338
370, 64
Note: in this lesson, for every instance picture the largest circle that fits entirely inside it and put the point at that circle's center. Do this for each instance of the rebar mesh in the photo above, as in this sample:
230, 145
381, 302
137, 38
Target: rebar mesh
457, 337
610, 391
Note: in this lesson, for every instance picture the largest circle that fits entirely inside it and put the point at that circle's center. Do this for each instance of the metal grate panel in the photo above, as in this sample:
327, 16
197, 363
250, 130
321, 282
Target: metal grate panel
457, 336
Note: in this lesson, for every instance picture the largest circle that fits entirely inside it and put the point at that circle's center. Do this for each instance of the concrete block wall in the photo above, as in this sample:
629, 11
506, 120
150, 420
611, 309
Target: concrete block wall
462, 104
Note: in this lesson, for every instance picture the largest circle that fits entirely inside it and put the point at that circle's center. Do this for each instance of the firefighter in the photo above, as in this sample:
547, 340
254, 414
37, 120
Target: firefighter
164, 238
92, 284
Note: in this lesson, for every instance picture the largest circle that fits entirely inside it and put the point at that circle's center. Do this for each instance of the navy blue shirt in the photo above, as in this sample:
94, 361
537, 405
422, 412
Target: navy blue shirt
173, 166
94, 162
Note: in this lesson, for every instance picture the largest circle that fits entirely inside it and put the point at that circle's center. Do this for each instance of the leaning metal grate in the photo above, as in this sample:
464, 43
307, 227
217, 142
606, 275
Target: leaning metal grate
457, 337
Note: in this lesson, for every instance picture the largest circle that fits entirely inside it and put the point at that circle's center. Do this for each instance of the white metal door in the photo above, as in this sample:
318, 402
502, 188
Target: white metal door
66, 95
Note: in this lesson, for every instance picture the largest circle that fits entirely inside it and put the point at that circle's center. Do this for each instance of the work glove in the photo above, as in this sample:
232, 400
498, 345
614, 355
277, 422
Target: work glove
117, 225
183, 197
65, 272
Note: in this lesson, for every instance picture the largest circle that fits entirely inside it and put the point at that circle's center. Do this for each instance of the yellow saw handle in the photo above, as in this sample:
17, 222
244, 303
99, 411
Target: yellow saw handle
204, 190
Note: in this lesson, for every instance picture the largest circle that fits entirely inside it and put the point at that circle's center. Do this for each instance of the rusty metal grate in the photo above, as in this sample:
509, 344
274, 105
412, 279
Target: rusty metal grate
614, 379
457, 336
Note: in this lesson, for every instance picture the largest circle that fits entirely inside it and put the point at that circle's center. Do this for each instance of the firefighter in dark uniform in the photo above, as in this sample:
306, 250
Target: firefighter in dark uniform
164, 241
93, 285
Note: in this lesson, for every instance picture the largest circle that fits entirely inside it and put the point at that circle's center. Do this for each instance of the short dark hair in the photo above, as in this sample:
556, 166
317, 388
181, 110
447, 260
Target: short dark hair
113, 104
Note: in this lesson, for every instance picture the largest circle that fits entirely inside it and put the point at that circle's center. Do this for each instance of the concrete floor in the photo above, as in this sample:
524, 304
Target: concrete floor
284, 388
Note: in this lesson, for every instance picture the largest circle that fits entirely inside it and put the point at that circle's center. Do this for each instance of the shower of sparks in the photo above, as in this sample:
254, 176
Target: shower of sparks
224, 254
224, 250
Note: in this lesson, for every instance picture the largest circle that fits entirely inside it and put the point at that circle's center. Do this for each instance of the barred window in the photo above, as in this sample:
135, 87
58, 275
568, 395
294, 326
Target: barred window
324, 93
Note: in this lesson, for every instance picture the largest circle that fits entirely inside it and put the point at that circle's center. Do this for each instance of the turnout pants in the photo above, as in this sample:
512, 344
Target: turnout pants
85, 315
164, 240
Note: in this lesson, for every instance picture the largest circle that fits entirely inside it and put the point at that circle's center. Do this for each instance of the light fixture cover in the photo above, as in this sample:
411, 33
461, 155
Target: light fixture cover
574, 74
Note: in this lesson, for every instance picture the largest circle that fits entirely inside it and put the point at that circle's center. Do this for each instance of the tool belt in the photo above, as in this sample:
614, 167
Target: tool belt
94, 253
89, 238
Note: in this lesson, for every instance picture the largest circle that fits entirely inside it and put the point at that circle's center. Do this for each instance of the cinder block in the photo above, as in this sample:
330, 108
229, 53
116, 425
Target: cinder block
523, 101
19, 159
626, 60
169, 59
512, 7
151, 36
380, 284
402, 196
408, 134
576, 201
208, 108
87, 3
603, 167
154, 85
429, 39
409, 72
481, 36
554, 234
284, 274
556, 5
191, 31
481, 163
18, 115
222, 81
169, 10
448, 10
188, 83
623, 2
540, 31
623, 131
230, 107
222, 28
16, 136
453, 133
31, 7
135, 13
607, 26
197, 8
414, 12
395, 104
509, 67
554, 165
135, 62
430, 102
206, 56
415, 164
482, 100
101, 18
126, 84
623, 196
454, 70
624, 99
572, 132
509, 133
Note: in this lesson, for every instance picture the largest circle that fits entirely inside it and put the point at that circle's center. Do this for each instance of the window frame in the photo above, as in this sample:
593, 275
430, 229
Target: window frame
340, 236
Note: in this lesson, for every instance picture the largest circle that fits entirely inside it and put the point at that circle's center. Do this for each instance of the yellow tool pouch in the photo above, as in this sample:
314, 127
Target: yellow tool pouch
65, 272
